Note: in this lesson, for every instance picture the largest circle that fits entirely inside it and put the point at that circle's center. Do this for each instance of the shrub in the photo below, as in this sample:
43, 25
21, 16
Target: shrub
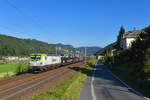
107, 58
146, 68
7, 75
21, 68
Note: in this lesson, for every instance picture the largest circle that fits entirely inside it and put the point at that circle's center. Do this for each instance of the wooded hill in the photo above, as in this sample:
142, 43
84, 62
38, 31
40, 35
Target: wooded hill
103, 51
89, 50
12, 46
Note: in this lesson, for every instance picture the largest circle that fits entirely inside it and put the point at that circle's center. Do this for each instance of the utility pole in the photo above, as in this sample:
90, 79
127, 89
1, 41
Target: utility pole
40, 51
56, 50
85, 55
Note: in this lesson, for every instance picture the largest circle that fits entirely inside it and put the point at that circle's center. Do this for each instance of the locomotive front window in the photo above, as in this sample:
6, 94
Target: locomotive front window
35, 57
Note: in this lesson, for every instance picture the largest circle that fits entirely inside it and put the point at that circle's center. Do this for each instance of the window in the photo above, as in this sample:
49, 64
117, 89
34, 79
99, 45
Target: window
35, 57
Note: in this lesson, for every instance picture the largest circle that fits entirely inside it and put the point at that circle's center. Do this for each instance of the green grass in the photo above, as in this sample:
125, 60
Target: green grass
69, 90
11, 67
132, 83
7, 68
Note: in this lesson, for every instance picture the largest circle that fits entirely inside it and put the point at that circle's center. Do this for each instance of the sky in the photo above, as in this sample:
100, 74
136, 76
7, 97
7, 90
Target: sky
74, 22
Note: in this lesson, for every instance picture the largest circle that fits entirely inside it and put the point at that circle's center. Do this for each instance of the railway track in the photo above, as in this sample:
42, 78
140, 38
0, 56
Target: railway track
14, 91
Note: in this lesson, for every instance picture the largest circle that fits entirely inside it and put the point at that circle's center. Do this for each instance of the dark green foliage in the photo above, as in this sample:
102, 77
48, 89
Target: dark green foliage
139, 53
121, 32
107, 58
12, 46
21, 68
146, 68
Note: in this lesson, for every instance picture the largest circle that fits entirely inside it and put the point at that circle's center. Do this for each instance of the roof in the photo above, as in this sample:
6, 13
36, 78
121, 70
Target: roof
40, 54
52, 54
131, 34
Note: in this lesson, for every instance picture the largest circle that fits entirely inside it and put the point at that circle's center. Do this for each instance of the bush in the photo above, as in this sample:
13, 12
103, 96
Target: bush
107, 58
146, 68
21, 68
7, 75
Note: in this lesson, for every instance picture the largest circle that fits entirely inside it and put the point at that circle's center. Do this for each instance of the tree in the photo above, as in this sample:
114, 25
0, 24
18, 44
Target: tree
147, 63
138, 56
121, 32
13, 46
107, 57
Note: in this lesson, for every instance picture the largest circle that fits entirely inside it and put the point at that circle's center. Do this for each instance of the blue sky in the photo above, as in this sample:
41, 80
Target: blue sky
75, 22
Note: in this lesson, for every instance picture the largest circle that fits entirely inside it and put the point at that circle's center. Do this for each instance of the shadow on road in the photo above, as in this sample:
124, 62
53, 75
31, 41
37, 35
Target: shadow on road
104, 79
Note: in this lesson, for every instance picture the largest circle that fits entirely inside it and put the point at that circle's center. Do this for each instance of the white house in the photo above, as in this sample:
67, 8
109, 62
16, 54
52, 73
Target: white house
128, 38
10, 57
15, 58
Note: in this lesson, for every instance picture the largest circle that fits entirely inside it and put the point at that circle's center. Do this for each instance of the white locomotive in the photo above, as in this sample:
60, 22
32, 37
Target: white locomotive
43, 62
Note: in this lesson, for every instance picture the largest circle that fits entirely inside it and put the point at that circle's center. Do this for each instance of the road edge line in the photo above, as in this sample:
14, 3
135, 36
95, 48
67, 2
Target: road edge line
92, 81
129, 87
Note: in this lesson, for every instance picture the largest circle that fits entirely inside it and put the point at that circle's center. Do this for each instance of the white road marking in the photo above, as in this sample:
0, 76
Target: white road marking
92, 87
129, 86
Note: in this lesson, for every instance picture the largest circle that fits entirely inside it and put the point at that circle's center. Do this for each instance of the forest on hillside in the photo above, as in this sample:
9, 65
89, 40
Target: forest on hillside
109, 47
12, 46
90, 50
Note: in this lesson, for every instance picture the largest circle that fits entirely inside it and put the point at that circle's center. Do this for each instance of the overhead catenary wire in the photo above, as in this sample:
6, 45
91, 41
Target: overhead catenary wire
15, 31
26, 16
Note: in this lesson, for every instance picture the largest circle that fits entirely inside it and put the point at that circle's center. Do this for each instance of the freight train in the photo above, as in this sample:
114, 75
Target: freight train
43, 62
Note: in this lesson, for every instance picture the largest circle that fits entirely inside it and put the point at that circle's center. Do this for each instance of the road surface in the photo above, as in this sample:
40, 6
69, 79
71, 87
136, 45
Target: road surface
102, 85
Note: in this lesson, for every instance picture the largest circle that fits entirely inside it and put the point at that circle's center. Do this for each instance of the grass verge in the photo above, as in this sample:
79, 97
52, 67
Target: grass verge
9, 70
132, 83
93, 61
70, 89
6, 75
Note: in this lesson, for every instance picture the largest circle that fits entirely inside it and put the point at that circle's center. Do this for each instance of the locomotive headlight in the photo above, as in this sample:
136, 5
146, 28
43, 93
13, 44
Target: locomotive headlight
41, 63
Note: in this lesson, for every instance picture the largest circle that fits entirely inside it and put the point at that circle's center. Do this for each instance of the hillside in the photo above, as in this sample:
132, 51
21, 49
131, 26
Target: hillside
12, 46
90, 50
107, 48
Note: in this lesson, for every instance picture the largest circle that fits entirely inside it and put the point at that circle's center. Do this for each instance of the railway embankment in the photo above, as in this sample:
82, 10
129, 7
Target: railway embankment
28, 85
70, 88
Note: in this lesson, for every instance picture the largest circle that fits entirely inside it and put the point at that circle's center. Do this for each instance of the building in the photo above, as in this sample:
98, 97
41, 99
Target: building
99, 57
24, 58
15, 58
128, 38
10, 58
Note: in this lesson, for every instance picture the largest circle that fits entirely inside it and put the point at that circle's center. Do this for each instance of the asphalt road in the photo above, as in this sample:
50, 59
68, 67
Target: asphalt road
102, 85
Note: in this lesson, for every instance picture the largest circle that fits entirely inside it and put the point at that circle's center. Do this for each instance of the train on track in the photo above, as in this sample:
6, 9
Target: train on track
43, 62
